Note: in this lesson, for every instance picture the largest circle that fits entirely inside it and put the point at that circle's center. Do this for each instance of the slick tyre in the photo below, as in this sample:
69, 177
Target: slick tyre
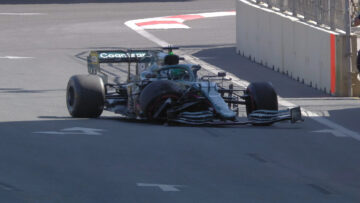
155, 94
85, 96
262, 96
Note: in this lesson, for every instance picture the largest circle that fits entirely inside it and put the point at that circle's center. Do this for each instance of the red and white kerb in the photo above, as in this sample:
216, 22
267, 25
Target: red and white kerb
174, 22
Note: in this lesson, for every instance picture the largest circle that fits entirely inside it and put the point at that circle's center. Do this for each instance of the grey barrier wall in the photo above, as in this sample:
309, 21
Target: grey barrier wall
304, 51
331, 13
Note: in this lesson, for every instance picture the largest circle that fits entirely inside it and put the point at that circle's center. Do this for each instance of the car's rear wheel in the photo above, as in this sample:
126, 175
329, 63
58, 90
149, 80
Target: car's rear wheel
261, 96
155, 94
85, 96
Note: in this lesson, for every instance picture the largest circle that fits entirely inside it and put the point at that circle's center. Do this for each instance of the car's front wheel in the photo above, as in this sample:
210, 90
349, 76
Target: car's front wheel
261, 96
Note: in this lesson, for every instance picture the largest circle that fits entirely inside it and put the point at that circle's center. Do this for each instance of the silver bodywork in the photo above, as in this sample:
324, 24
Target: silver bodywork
150, 67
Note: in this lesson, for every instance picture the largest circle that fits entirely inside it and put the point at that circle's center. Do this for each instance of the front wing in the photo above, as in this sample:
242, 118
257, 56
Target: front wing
259, 117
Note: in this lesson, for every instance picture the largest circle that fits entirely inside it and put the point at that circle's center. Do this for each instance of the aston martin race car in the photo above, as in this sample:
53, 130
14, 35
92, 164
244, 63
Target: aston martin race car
160, 88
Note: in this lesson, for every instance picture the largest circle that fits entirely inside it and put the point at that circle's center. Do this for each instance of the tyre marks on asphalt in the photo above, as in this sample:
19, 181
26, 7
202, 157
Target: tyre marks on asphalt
8, 187
162, 187
27, 91
314, 186
74, 131
257, 157
319, 189
211, 132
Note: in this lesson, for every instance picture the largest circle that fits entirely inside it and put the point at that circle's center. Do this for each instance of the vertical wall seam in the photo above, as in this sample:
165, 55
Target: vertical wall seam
333, 62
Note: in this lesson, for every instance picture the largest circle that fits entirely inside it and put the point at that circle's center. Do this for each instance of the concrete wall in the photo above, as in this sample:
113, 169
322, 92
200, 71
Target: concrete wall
303, 51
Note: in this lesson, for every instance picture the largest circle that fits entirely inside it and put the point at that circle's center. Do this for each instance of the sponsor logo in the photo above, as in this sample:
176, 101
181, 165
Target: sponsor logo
114, 55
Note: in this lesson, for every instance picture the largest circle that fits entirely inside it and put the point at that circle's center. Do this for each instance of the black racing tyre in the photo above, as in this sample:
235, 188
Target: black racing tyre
262, 96
155, 94
85, 96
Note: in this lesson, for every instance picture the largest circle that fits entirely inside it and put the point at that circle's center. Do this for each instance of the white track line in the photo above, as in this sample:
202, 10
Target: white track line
217, 14
15, 57
147, 35
243, 83
22, 14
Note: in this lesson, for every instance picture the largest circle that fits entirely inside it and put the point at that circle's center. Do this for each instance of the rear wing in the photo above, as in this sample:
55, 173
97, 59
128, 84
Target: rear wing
95, 58
117, 56
129, 56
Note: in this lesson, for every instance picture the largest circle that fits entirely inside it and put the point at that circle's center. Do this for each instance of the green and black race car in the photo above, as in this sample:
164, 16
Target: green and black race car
160, 88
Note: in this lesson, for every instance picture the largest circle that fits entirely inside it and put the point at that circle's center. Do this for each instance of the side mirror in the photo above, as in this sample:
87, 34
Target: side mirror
221, 74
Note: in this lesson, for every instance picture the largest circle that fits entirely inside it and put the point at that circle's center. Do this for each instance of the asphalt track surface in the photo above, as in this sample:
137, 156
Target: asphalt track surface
121, 160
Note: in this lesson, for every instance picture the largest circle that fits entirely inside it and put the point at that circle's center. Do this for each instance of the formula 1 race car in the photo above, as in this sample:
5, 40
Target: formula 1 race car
160, 88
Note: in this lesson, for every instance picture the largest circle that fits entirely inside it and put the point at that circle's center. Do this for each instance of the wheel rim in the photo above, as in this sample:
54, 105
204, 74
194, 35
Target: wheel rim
157, 103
